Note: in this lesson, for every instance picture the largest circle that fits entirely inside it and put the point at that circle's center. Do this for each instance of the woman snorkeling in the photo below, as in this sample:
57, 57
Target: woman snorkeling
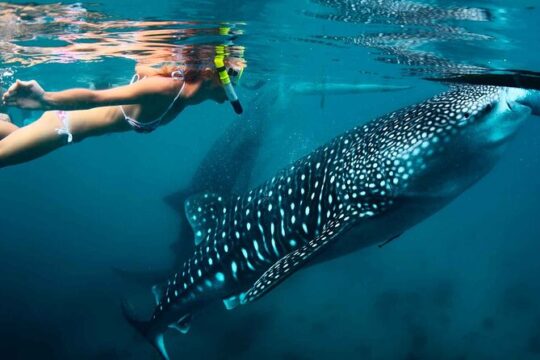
155, 97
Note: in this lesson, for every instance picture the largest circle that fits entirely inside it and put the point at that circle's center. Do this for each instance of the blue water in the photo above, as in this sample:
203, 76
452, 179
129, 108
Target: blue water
461, 285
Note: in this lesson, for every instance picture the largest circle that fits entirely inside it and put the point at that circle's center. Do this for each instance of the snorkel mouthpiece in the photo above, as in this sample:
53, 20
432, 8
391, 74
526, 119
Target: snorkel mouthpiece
225, 80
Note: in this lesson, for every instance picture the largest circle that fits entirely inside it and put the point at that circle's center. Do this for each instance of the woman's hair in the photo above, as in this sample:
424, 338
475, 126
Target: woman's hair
197, 63
191, 75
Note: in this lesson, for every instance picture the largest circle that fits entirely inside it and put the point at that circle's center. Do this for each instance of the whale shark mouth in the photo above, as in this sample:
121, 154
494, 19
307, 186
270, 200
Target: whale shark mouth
531, 100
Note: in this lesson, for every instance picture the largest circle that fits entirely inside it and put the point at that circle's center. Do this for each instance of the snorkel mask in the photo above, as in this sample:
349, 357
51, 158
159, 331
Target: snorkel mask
227, 77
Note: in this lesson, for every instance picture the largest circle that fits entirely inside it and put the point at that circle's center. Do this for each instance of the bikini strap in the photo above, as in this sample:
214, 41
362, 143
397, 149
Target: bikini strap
126, 116
180, 76
63, 116
134, 78
148, 126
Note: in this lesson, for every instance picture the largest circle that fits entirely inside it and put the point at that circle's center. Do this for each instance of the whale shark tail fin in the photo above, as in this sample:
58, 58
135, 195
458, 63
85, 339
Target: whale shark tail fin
143, 327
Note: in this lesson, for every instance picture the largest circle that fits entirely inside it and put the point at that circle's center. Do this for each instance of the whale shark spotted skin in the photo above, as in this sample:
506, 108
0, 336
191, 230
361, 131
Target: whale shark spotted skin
375, 181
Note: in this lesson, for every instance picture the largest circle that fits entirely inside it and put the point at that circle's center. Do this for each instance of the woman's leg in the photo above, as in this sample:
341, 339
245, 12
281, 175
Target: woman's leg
42, 136
31, 141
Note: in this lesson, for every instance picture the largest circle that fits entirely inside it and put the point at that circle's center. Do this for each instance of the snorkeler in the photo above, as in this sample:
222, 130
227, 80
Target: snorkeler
155, 97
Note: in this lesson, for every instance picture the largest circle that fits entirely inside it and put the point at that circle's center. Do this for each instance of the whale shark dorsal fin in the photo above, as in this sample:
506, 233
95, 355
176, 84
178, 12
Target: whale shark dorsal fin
293, 261
204, 212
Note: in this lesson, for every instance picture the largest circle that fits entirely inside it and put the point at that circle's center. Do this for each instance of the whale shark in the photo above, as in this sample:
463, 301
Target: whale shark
227, 166
311, 88
373, 183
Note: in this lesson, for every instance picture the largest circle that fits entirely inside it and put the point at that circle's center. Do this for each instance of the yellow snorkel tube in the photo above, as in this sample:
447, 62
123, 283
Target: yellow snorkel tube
225, 80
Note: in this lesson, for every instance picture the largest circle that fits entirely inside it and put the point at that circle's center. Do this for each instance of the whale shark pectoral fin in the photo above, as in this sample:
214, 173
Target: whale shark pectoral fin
233, 301
204, 212
293, 261
183, 325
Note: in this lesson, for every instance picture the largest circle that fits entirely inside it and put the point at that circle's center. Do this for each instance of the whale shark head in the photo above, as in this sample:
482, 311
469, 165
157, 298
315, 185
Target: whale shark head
500, 118
440, 146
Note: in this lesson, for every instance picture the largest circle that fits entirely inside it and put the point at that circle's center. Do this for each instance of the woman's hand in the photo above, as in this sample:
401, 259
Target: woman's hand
26, 95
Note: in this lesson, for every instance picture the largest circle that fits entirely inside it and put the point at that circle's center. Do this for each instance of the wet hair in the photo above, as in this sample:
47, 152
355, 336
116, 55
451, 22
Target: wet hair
191, 75
197, 63
195, 73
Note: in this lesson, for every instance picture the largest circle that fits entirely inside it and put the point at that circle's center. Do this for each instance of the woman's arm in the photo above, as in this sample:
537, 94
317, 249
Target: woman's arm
30, 95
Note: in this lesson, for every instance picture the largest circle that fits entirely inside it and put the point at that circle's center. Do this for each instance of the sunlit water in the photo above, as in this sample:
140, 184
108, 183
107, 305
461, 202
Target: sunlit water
462, 285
